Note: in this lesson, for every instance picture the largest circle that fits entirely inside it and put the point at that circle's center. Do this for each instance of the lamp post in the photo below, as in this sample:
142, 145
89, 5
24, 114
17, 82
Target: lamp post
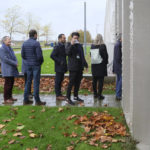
85, 28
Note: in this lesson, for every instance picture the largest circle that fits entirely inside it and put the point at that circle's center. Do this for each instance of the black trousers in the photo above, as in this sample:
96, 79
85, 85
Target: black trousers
8, 87
75, 78
100, 81
58, 81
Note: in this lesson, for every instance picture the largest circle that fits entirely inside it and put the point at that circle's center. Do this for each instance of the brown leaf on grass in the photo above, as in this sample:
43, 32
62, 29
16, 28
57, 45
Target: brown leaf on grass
83, 138
2, 126
114, 140
11, 142
70, 148
71, 117
87, 129
32, 111
19, 124
66, 134
49, 147
32, 117
43, 109
17, 134
33, 135
52, 127
22, 137
105, 139
4, 132
7, 120
73, 134
60, 109
93, 143
30, 131
104, 146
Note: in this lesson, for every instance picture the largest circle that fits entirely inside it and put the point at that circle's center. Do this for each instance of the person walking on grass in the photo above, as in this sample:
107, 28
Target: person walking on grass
76, 65
9, 69
117, 66
33, 58
59, 57
99, 61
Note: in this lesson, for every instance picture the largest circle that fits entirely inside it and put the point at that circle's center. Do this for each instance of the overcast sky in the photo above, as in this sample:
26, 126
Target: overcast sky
65, 16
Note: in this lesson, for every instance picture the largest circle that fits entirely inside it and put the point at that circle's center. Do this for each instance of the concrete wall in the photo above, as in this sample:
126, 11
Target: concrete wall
134, 22
141, 72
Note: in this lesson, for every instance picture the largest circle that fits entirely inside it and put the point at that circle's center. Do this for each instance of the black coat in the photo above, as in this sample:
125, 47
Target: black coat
100, 69
73, 51
117, 62
59, 56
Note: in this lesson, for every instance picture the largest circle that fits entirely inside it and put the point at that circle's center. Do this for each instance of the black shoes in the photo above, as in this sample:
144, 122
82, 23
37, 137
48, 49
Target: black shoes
40, 103
78, 99
101, 97
28, 102
118, 98
95, 96
70, 102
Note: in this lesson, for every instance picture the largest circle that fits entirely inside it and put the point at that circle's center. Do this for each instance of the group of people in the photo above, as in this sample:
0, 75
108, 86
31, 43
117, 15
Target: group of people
68, 56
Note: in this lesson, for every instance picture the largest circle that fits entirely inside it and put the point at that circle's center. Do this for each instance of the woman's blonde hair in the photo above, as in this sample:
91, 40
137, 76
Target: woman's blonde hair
99, 40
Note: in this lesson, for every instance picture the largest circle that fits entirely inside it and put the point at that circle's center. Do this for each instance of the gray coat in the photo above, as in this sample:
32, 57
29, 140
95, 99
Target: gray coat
8, 63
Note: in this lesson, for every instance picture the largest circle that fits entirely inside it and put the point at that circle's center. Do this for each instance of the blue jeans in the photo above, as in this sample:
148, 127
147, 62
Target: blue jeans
119, 86
33, 72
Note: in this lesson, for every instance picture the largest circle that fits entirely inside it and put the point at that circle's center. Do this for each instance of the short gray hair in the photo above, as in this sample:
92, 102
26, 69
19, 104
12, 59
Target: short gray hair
4, 38
119, 36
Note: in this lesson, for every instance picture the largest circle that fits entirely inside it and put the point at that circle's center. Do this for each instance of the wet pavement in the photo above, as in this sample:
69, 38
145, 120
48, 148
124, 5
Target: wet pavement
89, 101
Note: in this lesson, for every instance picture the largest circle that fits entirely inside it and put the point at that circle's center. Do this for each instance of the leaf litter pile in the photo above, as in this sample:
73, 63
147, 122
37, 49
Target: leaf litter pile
100, 130
48, 84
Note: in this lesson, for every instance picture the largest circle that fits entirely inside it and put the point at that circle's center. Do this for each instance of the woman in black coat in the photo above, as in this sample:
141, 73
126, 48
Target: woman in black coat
99, 70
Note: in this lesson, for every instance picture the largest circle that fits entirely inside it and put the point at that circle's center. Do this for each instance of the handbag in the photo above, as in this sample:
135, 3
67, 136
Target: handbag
95, 56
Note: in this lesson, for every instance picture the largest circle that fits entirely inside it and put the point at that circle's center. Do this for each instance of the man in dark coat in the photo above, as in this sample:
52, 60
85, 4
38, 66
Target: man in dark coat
117, 67
33, 58
76, 64
59, 56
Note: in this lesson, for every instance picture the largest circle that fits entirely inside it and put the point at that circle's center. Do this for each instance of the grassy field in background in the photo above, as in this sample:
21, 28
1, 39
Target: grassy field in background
48, 65
49, 125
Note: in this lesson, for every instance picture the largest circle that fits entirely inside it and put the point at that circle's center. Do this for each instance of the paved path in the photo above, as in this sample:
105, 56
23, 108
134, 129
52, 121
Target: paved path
89, 101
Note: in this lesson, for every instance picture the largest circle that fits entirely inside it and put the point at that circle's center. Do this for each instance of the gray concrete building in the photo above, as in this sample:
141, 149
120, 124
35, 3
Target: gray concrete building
133, 21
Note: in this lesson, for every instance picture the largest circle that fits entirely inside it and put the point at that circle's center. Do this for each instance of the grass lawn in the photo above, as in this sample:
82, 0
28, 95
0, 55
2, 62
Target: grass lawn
49, 126
48, 65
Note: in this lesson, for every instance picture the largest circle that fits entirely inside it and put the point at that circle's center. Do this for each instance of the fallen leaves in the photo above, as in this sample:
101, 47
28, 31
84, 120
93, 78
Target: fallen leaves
70, 148
99, 129
17, 134
11, 142
32, 135
2, 126
60, 109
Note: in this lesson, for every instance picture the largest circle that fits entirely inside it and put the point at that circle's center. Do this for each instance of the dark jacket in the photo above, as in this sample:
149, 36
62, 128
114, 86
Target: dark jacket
59, 56
100, 69
32, 53
8, 62
76, 59
117, 62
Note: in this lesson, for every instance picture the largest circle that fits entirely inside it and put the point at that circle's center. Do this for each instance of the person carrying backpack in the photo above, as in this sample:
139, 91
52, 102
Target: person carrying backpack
99, 61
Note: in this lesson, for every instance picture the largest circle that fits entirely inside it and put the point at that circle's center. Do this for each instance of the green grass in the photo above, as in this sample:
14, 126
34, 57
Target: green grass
48, 65
43, 123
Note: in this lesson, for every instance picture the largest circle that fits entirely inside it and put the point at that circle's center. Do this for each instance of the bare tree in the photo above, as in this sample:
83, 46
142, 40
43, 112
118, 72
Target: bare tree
12, 22
46, 32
